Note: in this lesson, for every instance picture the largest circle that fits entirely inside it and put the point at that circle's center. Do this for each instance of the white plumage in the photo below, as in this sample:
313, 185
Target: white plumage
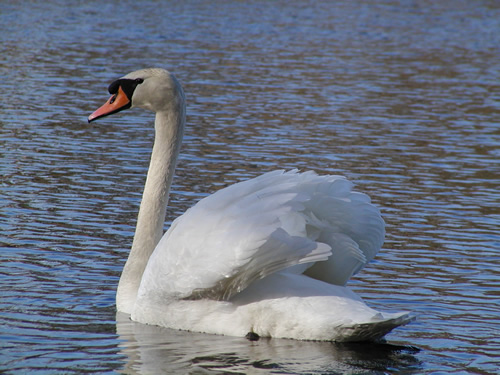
270, 255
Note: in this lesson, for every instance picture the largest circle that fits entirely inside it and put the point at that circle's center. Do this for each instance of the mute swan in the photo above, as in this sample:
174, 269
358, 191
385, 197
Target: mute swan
268, 257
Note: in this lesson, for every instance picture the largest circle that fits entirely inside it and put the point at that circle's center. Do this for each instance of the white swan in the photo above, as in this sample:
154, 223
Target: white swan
269, 256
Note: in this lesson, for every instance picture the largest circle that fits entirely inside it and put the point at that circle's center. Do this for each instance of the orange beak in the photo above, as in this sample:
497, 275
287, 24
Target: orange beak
116, 103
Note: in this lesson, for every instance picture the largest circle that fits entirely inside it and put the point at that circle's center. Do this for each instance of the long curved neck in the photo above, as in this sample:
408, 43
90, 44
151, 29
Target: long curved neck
169, 128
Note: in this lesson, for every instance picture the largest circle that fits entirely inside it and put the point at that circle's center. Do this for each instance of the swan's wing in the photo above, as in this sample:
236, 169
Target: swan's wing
257, 227
351, 225
241, 233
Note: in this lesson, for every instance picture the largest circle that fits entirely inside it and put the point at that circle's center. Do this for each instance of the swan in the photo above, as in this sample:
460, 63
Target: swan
267, 257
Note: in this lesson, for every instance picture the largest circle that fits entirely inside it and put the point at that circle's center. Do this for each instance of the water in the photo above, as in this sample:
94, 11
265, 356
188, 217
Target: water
402, 97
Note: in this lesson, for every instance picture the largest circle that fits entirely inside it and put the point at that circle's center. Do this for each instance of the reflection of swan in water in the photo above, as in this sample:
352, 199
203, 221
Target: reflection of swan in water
157, 350
269, 256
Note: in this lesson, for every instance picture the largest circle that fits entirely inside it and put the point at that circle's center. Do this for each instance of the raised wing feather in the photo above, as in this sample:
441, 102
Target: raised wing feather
353, 228
254, 228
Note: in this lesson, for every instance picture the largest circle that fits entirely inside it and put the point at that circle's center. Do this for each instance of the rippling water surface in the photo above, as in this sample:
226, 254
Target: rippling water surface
402, 97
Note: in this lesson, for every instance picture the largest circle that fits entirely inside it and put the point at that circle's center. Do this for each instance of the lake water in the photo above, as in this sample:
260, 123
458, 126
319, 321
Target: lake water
402, 97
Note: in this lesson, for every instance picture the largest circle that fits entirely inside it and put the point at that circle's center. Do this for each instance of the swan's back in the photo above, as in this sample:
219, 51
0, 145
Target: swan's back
300, 222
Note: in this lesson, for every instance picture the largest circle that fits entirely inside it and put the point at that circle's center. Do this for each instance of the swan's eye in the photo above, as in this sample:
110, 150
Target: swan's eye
112, 99
139, 80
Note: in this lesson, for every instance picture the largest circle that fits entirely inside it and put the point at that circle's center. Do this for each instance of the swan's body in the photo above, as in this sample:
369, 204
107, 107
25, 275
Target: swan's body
270, 255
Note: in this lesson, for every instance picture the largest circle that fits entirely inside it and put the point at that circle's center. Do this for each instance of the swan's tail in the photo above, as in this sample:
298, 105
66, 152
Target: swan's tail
374, 330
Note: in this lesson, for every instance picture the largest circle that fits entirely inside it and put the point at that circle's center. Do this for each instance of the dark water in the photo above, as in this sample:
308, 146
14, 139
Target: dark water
402, 97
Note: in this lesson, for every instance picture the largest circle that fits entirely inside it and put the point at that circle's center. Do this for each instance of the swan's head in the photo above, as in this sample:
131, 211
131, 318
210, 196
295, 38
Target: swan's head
154, 89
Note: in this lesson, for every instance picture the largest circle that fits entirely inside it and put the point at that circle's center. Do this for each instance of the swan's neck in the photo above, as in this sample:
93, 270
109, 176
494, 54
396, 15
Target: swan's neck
168, 137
